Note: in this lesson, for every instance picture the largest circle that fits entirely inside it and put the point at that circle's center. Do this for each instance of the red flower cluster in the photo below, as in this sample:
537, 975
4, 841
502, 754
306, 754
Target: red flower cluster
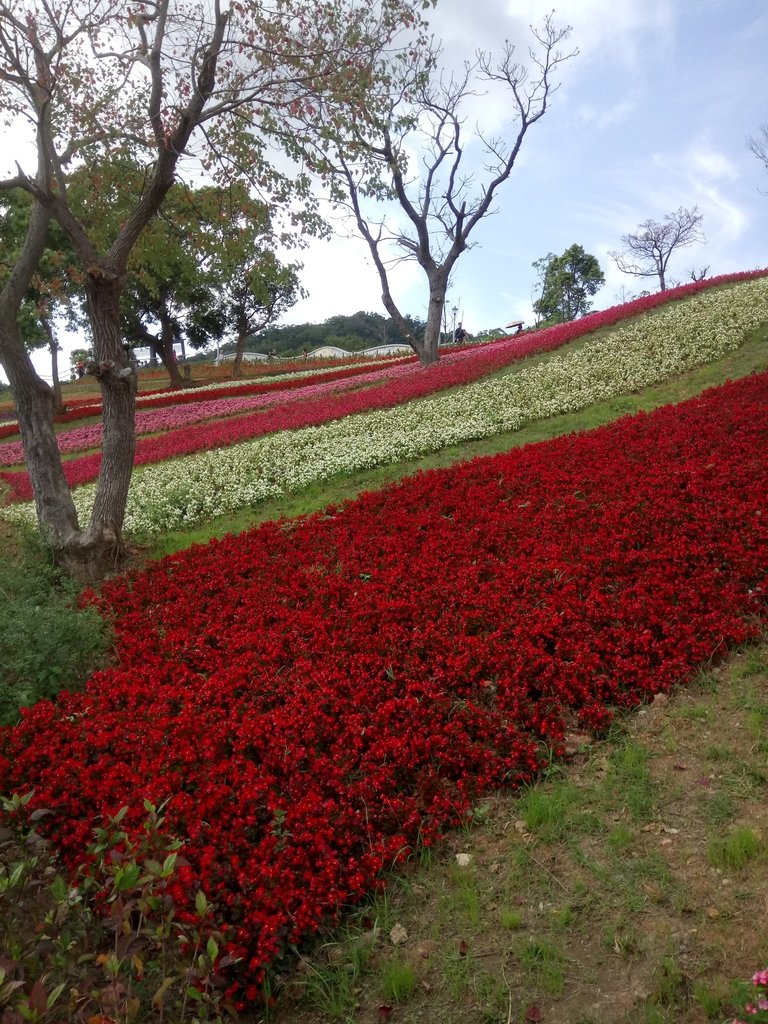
450, 372
317, 698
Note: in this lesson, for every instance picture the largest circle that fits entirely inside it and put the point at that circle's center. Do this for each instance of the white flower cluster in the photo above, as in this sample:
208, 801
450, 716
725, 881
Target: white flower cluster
646, 351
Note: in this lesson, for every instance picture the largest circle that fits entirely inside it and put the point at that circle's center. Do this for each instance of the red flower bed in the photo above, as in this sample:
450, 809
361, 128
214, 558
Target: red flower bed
451, 371
316, 698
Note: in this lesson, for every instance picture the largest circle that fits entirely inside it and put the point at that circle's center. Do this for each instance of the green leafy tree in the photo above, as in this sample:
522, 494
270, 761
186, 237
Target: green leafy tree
202, 270
251, 287
567, 284
257, 294
361, 330
170, 294
161, 85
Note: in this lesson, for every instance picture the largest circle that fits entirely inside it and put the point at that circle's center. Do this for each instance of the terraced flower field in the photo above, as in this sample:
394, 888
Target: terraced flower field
284, 455
316, 700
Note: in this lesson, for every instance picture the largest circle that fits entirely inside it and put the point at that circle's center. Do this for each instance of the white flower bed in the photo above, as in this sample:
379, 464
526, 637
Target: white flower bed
647, 351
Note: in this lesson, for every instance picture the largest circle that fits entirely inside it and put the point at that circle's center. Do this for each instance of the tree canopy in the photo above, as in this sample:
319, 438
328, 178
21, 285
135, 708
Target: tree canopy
355, 332
567, 283
163, 87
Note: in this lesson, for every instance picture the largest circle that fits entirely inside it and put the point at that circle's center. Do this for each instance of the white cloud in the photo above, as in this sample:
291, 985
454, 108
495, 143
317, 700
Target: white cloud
607, 117
711, 164
342, 279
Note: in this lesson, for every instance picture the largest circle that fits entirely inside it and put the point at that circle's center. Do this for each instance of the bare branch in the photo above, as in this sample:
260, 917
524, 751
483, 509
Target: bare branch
647, 251
758, 145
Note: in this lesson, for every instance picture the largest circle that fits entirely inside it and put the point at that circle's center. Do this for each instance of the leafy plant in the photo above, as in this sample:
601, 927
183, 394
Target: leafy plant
107, 945
398, 980
511, 919
47, 642
753, 999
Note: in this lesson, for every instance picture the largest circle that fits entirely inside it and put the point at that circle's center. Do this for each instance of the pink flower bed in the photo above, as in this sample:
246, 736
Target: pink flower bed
184, 415
85, 408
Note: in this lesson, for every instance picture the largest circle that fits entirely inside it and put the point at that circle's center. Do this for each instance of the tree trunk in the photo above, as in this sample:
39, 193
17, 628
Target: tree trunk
53, 348
34, 406
58, 401
172, 369
237, 364
165, 350
428, 350
91, 554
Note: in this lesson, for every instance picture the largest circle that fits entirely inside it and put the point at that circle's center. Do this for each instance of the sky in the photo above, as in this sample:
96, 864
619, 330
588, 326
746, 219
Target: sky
651, 115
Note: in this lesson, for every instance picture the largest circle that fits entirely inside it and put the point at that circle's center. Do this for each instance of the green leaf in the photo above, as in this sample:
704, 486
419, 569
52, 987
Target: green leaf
169, 865
127, 876
194, 994
212, 949
53, 997
16, 874
201, 903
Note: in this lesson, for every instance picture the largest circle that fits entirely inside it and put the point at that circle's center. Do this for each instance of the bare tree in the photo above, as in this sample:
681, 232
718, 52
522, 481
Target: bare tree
362, 153
758, 144
99, 81
648, 250
698, 274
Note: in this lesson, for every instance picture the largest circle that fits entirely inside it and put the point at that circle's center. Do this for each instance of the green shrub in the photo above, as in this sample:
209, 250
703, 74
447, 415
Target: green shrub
47, 643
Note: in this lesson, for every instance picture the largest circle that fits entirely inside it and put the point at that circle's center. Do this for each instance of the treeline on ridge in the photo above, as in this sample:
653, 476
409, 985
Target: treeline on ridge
357, 332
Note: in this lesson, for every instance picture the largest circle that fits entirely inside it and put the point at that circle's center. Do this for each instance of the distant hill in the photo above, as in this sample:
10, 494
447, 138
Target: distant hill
354, 333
